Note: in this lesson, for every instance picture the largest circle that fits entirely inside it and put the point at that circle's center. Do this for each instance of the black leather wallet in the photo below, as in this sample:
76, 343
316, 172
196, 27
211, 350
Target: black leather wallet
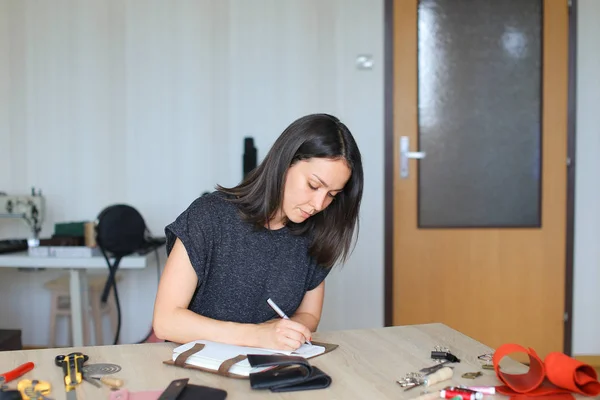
291, 373
10, 395
180, 389
194, 392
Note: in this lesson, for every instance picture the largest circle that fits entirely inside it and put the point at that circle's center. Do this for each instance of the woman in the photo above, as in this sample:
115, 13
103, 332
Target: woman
276, 235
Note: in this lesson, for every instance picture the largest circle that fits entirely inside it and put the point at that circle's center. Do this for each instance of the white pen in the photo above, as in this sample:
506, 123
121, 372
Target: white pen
280, 312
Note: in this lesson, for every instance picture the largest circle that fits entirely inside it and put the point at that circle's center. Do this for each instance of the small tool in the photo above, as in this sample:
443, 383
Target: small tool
434, 368
101, 369
471, 375
71, 365
16, 373
89, 379
443, 354
437, 377
487, 360
113, 383
34, 389
410, 379
96, 373
439, 351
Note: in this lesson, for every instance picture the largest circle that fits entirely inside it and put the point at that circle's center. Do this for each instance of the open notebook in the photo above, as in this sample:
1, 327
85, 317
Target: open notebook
214, 353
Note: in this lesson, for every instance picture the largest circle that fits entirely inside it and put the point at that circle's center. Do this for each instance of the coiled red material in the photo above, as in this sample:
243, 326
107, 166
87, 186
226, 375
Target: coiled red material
555, 378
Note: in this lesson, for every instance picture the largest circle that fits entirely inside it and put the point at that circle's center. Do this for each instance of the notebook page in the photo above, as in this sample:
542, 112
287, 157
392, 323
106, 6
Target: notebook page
213, 354
221, 351
308, 350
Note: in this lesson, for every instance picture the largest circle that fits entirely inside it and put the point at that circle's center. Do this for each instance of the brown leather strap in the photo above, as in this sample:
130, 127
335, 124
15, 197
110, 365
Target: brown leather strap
225, 365
328, 346
182, 358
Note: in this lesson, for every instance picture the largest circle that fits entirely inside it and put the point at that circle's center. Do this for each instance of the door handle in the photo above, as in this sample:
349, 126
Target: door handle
406, 154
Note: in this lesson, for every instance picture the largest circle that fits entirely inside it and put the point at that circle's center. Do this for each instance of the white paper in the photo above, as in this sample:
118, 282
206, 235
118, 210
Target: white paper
214, 353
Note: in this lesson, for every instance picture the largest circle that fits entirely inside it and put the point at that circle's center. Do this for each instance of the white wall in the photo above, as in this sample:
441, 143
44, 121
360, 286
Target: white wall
586, 310
80, 82
147, 102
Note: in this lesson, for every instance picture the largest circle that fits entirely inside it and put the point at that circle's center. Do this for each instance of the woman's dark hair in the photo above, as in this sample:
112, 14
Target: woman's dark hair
260, 195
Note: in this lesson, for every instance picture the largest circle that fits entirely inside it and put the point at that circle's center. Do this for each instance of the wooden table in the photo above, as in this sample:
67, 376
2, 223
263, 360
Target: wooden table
365, 366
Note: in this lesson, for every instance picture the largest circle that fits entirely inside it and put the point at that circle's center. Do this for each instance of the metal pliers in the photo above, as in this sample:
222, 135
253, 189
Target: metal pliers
15, 373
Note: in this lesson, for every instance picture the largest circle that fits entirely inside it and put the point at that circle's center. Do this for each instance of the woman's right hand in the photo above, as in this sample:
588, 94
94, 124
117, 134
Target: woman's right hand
282, 334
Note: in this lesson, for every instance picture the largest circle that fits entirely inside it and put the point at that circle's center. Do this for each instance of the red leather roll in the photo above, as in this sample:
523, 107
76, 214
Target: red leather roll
519, 383
556, 378
571, 374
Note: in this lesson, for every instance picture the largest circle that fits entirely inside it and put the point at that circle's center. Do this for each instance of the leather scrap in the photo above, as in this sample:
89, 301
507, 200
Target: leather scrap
182, 358
227, 364
555, 378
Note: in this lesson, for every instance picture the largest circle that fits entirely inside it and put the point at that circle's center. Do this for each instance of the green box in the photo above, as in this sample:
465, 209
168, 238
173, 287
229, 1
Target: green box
70, 228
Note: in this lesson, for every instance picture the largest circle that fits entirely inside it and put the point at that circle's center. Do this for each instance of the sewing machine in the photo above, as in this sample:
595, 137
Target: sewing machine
30, 208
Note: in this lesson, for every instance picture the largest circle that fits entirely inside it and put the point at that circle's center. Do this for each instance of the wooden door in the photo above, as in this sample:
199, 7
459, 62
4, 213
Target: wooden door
480, 87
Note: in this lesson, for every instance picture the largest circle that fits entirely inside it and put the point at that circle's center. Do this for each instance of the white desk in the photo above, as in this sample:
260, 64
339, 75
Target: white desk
78, 282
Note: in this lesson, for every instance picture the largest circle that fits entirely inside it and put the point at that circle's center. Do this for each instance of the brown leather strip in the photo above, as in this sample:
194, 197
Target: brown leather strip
328, 346
225, 365
182, 358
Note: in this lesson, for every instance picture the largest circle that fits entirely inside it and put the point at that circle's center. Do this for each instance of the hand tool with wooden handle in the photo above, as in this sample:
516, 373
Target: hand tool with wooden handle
91, 380
113, 383
437, 377
434, 368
